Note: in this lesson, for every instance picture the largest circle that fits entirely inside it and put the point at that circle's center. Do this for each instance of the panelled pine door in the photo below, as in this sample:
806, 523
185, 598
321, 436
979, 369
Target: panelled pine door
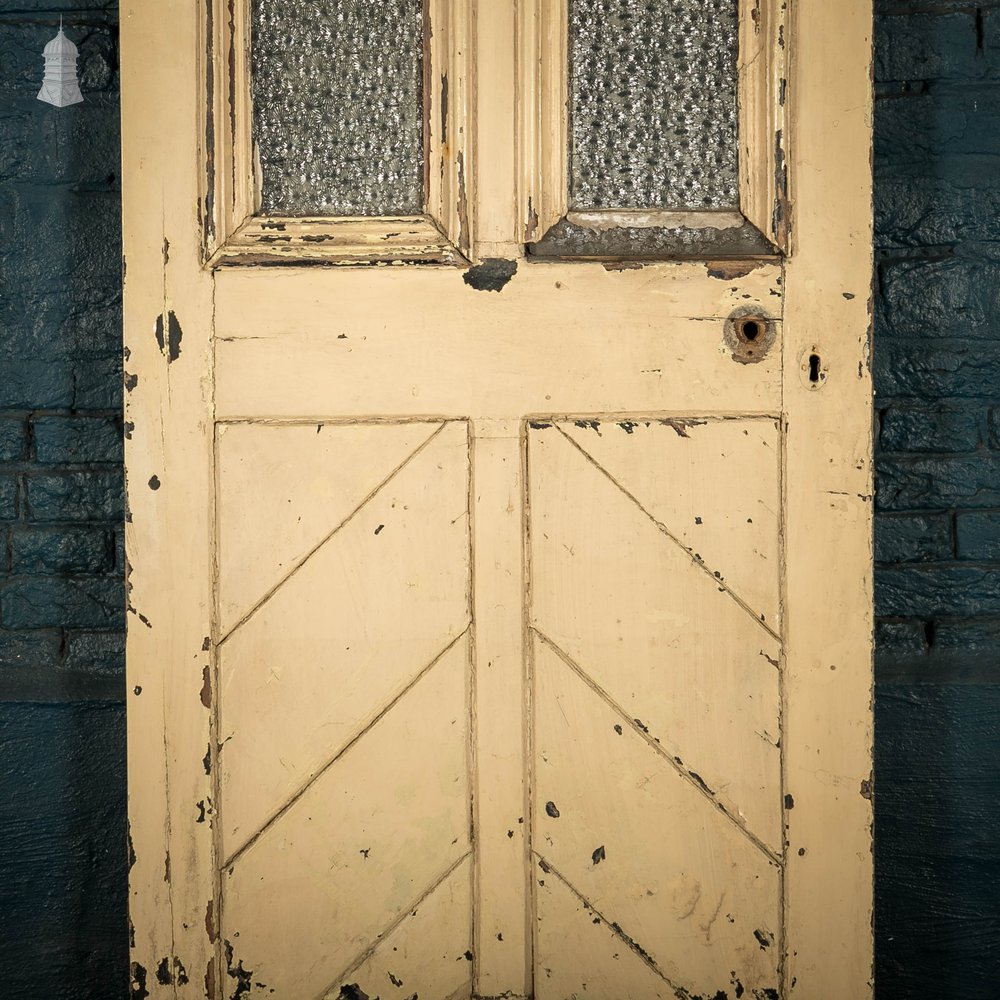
499, 478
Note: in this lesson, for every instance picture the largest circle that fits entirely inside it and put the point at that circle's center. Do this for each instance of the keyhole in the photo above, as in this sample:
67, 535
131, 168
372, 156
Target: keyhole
750, 329
814, 363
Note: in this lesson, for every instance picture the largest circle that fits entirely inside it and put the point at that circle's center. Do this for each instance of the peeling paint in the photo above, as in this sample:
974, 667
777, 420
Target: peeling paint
780, 220
137, 988
351, 991
492, 275
681, 425
464, 233
210, 928
623, 265
730, 271
168, 336
532, 224
243, 977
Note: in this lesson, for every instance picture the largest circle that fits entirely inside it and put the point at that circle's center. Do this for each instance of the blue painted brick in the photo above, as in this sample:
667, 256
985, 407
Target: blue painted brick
931, 428
977, 535
900, 638
914, 483
973, 636
76, 496
994, 426
937, 862
912, 538
8, 496
927, 370
95, 652
63, 247
13, 439
30, 384
119, 545
957, 199
931, 591
54, 603
98, 383
54, 8
77, 440
61, 550
922, 46
63, 827
956, 297
37, 649
916, 128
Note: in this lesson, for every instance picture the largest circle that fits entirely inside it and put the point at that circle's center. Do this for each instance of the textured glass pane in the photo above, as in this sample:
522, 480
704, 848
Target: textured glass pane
653, 103
338, 112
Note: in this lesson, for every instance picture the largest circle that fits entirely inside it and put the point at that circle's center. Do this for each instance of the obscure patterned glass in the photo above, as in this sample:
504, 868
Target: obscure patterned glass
337, 105
653, 103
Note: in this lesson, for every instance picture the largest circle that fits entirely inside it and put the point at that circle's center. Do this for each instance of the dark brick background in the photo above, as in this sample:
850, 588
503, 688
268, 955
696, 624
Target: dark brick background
937, 365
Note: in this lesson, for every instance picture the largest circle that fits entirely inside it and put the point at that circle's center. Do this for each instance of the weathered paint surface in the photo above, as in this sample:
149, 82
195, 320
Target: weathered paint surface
935, 67
493, 596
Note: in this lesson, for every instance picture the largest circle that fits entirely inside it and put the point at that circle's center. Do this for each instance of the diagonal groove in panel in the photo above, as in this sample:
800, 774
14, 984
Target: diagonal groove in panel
694, 561
690, 776
397, 920
362, 730
331, 534
630, 943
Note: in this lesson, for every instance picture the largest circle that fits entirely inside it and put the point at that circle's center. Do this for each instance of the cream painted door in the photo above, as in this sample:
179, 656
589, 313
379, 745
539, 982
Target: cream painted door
499, 572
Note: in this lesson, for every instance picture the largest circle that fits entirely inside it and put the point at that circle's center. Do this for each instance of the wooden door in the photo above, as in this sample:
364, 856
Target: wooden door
500, 569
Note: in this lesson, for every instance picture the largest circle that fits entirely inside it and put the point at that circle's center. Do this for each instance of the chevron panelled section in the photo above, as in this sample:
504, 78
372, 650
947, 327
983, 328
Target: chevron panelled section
655, 626
343, 710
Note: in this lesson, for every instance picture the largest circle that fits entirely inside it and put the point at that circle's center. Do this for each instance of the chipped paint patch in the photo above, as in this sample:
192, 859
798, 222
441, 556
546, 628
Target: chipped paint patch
730, 271
168, 336
492, 275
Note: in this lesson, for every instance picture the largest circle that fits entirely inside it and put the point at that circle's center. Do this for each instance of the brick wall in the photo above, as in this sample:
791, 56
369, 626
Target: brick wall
62, 772
62, 797
937, 377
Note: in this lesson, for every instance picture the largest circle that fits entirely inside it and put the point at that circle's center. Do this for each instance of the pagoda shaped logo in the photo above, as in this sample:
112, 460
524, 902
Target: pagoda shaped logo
60, 85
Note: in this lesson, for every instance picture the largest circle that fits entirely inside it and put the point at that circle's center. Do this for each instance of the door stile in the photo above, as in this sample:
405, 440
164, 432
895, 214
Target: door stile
168, 310
502, 915
828, 474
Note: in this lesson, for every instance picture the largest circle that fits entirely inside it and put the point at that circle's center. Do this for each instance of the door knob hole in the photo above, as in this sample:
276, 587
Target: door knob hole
749, 334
